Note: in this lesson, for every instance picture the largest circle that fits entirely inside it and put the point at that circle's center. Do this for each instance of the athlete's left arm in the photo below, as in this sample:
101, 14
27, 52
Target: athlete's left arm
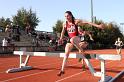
81, 22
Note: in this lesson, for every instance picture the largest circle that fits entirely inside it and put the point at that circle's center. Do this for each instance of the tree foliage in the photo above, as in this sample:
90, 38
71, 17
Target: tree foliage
58, 27
105, 38
26, 17
4, 22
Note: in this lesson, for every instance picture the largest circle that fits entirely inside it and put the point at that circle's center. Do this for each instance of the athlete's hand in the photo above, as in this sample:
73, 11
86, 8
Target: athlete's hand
101, 26
60, 41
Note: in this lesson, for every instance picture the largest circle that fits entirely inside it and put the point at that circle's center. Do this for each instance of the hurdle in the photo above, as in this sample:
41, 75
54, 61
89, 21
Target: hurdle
102, 57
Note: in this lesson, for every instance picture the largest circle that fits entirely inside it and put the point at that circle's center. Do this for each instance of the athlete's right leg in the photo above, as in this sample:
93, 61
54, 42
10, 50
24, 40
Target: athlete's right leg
83, 45
119, 51
68, 48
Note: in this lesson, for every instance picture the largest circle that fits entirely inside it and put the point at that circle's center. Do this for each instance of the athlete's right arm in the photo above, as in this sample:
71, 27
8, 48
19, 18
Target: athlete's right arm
115, 42
63, 32
62, 35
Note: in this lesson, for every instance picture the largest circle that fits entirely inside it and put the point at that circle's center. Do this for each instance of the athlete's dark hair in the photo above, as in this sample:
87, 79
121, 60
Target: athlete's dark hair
73, 18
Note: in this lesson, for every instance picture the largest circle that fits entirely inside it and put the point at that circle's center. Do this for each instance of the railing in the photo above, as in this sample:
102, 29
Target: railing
10, 49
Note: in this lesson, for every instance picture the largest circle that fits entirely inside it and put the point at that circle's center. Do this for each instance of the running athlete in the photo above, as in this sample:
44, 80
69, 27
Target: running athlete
71, 26
119, 45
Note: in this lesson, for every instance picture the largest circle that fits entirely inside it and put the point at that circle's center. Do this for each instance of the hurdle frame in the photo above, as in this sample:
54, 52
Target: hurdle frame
101, 57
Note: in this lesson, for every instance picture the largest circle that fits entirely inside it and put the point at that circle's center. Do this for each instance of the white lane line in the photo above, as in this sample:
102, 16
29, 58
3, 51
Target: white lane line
26, 76
30, 74
39, 65
69, 77
77, 74
80, 72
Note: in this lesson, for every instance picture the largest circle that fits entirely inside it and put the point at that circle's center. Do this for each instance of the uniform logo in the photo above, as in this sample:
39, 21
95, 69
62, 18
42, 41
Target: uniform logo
71, 29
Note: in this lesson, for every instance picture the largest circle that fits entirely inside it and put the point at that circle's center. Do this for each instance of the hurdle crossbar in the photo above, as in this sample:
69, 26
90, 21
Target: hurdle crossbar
72, 55
86, 57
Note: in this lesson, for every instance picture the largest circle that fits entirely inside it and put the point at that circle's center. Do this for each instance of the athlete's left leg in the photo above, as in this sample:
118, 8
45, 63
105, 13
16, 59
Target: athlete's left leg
83, 45
68, 49
75, 41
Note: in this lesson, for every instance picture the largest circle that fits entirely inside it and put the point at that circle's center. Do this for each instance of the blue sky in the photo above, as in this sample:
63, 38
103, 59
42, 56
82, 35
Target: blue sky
49, 11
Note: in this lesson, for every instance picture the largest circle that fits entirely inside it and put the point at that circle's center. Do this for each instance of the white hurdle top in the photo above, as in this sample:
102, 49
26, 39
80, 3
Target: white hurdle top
71, 55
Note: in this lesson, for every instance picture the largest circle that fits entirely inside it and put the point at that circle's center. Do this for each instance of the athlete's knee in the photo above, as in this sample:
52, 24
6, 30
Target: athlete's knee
74, 40
67, 54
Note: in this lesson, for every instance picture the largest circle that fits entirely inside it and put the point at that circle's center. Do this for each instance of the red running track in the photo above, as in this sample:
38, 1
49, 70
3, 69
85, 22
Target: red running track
45, 69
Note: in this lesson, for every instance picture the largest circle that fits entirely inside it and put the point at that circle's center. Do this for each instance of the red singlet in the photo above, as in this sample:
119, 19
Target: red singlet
72, 30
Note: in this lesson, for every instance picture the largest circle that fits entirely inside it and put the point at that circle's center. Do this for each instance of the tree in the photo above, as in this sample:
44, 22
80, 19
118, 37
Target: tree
24, 17
4, 22
58, 26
